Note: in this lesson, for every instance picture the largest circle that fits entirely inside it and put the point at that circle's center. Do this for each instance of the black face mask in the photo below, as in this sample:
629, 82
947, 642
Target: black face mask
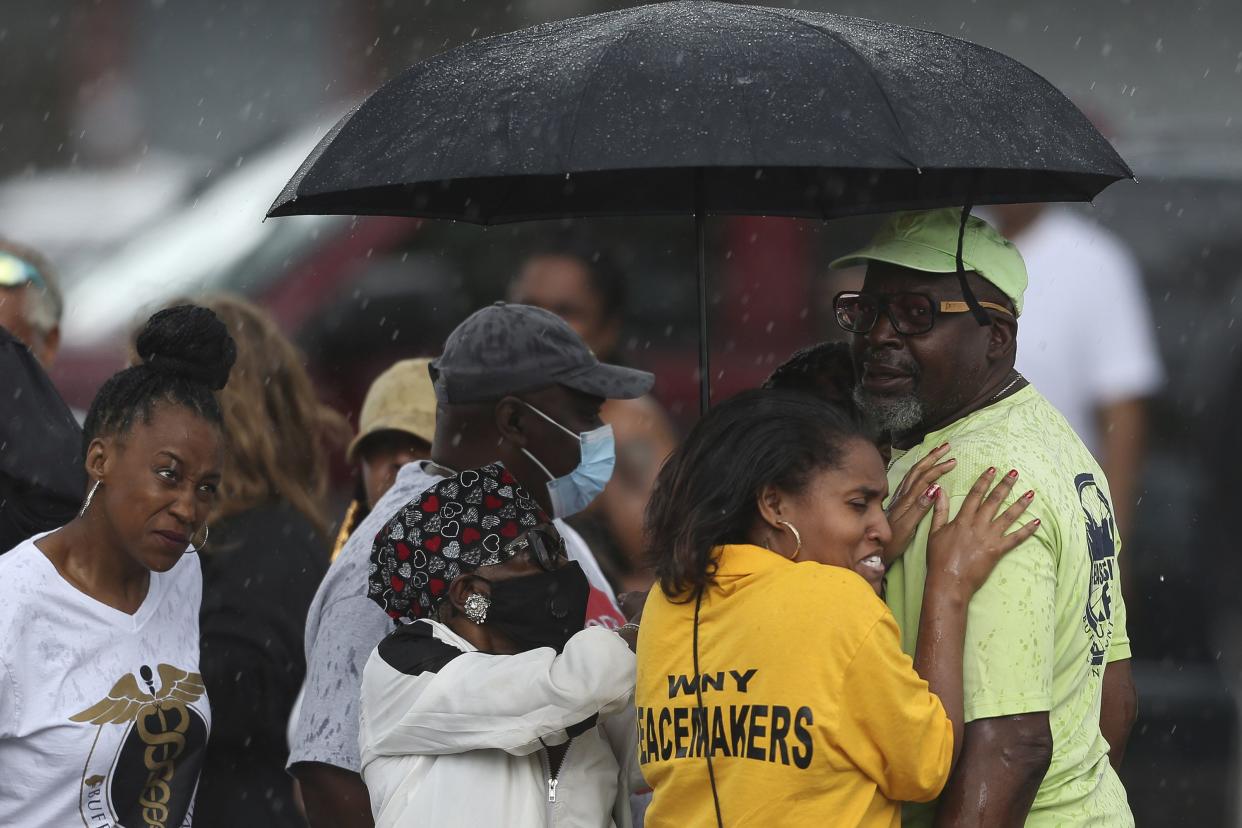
541, 610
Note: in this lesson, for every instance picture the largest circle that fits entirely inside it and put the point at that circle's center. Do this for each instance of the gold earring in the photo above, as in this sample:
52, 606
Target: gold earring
797, 536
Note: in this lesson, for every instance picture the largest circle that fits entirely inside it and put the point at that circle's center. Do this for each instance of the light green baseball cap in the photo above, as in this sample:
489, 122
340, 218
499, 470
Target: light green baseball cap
926, 240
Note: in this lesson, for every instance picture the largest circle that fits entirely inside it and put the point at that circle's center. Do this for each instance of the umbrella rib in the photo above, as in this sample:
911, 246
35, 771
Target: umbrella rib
573, 126
909, 153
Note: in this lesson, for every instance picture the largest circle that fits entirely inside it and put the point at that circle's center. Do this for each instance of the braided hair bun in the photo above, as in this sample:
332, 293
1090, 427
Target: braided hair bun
186, 354
189, 342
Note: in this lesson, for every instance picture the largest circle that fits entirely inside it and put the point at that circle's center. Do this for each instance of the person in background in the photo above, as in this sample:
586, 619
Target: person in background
396, 427
1049, 698
573, 277
42, 478
1088, 342
825, 370
99, 657
769, 531
514, 385
495, 706
30, 301
268, 552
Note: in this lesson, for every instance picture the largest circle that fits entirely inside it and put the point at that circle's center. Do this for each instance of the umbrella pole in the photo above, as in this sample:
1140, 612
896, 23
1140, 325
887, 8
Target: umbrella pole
700, 231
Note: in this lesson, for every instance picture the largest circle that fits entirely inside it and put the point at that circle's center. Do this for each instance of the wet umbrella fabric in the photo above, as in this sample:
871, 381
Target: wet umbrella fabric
697, 107
784, 112
42, 477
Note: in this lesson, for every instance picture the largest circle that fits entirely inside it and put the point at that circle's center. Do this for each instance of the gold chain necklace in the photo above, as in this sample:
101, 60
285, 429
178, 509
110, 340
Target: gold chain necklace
1017, 378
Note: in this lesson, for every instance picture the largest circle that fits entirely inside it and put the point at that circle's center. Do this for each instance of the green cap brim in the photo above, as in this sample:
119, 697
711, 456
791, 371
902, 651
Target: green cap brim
905, 253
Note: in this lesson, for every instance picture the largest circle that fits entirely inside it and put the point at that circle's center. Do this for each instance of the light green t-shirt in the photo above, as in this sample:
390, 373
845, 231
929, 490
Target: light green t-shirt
1051, 616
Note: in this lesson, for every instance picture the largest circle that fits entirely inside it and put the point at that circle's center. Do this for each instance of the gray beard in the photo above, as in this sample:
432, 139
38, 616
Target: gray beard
895, 415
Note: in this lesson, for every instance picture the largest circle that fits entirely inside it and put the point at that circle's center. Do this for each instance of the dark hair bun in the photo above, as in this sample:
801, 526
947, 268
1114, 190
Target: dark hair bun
190, 342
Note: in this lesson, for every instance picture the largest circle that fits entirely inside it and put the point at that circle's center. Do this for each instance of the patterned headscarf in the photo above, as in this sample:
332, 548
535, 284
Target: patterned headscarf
458, 525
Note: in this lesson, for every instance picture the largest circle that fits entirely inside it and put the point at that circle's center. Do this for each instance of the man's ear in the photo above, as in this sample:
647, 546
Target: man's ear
99, 458
510, 418
770, 502
1002, 338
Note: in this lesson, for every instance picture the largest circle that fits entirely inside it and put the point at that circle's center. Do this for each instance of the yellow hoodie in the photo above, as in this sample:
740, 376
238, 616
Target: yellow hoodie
813, 714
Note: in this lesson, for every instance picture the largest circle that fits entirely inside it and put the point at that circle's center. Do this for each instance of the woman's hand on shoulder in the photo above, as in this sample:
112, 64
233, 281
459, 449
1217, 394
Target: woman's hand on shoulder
913, 500
961, 553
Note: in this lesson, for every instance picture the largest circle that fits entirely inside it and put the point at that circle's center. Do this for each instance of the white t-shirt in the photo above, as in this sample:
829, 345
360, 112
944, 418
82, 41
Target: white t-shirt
1085, 337
103, 715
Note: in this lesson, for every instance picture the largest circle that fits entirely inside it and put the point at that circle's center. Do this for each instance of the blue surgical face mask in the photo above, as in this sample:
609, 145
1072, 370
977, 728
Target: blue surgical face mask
575, 491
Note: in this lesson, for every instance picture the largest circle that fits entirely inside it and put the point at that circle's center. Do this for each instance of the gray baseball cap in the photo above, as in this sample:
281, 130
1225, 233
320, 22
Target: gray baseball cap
508, 349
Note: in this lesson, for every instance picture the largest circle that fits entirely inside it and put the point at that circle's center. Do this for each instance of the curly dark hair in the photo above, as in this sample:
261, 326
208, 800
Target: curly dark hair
707, 492
825, 370
186, 354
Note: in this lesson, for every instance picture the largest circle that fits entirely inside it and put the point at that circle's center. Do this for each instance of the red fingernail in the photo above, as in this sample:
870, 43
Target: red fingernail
991, 470
1013, 473
1029, 494
931, 490
1037, 521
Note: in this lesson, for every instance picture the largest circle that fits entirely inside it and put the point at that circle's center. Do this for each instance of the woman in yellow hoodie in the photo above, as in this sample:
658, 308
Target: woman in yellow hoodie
772, 689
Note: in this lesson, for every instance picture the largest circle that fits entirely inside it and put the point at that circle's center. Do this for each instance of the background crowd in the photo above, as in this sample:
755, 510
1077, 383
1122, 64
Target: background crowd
159, 162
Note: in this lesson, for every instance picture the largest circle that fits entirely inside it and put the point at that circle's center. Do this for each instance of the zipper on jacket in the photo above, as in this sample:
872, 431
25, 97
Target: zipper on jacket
553, 774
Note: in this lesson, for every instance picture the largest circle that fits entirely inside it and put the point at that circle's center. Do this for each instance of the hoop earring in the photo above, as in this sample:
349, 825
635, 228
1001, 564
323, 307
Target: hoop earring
797, 536
476, 608
199, 547
89, 496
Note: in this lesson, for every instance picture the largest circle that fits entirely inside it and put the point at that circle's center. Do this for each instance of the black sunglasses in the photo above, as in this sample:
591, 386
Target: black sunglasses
545, 546
910, 313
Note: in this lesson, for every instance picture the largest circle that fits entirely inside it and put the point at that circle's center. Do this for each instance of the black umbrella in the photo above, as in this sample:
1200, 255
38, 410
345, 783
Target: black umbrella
696, 107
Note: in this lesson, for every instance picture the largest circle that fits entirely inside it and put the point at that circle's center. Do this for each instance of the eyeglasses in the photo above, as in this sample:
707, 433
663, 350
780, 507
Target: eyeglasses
15, 271
545, 546
910, 313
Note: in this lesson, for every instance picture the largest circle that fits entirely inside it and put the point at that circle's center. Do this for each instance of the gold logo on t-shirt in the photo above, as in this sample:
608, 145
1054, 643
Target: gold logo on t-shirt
125, 700
161, 721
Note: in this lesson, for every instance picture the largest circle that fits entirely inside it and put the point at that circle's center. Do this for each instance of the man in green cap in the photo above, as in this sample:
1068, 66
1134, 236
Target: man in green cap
1046, 680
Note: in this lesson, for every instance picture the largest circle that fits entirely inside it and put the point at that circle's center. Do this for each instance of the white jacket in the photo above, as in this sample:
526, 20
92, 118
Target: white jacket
451, 737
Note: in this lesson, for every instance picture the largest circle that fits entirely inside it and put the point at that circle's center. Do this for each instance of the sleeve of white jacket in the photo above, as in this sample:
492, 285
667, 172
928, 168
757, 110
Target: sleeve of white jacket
621, 729
507, 702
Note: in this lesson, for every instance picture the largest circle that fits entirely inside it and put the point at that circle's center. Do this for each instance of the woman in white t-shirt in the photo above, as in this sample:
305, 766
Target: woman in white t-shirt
103, 715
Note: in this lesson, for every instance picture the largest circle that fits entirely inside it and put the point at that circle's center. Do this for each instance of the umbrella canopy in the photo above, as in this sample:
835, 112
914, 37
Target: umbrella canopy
678, 106
697, 107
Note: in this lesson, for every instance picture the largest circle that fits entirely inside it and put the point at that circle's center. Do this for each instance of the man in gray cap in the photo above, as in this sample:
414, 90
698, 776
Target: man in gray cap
515, 384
